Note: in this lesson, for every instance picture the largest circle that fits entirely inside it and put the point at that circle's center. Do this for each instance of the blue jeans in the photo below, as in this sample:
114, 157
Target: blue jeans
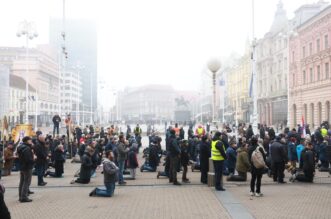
121, 169
108, 191
40, 169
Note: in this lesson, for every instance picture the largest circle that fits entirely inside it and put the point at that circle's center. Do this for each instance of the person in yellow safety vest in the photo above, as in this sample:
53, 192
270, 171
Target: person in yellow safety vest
200, 131
218, 156
324, 132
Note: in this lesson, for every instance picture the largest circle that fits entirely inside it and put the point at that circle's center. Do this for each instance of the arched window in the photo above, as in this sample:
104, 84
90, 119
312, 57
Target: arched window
311, 121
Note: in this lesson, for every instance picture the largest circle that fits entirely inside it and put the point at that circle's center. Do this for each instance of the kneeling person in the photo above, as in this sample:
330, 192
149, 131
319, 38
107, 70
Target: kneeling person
110, 171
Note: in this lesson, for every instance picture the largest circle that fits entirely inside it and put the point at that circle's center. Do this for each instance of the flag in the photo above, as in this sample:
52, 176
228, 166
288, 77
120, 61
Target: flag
303, 125
222, 82
251, 86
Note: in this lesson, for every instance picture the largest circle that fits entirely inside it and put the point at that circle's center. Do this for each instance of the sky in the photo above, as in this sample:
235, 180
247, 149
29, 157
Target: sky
152, 41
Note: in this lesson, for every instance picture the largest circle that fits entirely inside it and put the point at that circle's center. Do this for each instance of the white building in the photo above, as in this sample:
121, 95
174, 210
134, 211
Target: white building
17, 101
71, 94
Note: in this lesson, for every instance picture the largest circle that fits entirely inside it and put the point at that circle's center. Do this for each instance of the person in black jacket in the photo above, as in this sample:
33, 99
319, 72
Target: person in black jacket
256, 172
58, 162
26, 160
4, 212
184, 159
307, 164
204, 158
41, 152
278, 156
249, 132
174, 153
56, 122
86, 167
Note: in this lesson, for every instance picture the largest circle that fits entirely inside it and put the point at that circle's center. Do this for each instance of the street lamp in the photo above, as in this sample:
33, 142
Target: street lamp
28, 30
214, 65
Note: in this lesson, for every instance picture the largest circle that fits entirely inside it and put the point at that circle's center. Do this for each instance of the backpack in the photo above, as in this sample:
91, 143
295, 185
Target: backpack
257, 158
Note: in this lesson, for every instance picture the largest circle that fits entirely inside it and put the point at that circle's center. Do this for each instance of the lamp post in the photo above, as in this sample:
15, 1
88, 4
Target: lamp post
214, 65
28, 30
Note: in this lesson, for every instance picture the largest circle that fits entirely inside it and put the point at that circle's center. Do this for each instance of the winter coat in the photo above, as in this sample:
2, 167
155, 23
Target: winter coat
308, 163
243, 164
277, 152
9, 158
251, 149
122, 151
41, 152
173, 146
249, 133
86, 167
110, 171
56, 120
232, 158
292, 152
204, 156
132, 159
322, 151
25, 157
58, 161
184, 156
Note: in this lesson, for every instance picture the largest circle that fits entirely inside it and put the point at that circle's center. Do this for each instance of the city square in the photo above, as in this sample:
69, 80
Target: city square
165, 109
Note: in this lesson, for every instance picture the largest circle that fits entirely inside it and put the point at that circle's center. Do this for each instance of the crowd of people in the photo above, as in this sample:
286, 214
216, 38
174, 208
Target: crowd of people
115, 154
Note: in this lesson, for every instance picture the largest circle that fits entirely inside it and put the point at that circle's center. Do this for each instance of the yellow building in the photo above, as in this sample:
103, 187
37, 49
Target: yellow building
239, 104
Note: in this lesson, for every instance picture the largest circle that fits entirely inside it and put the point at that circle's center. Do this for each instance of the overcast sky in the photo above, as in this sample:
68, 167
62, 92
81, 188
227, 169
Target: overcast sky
152, 41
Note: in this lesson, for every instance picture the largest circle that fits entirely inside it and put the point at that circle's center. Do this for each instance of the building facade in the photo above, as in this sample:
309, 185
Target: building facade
146, 103
17, 102
310, 77
272, 71
43, 74
239, 104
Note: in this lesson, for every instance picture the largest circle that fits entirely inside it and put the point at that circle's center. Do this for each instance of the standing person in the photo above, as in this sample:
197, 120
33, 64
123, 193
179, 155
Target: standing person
204, 158
278, 160
26, 159
128, 132
249, 132
42, 154
174, 154
9, 159
292, 152
133, 161
110, 171
218, 156
4, 212
256, 171
56, 122
122, 156
184, 160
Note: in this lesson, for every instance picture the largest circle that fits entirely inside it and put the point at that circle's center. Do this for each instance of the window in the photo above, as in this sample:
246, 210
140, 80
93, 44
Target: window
326, 41
310, 49
318, 46
285, 63
311, 74
304, 76
326, 70
292, 56
303, 52
318, 73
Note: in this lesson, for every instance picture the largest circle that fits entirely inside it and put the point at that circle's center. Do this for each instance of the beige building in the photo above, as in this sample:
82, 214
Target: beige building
239, 104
